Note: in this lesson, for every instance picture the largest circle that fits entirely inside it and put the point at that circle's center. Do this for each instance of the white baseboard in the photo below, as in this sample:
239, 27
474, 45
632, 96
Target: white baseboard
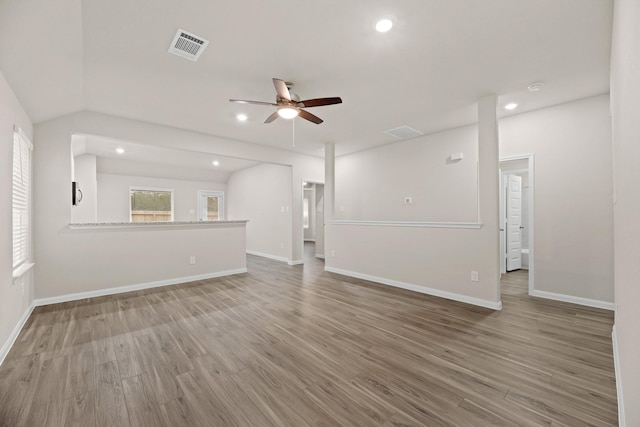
138, 287
295, 262
16, 331
422, 289
310, 240
616, 363
319, 256
575, 300
273, 257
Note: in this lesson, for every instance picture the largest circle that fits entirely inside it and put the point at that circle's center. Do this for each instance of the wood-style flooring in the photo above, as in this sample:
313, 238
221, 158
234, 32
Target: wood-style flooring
296, 346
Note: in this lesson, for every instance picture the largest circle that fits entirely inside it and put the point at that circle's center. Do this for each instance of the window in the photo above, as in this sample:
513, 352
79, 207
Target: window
21, 201
210, 205
151, 204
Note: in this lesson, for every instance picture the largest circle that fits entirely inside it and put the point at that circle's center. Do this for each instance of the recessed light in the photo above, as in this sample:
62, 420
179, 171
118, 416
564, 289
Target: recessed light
535, 87
241, 117
216, 163
510, 106
384, 25
120, 150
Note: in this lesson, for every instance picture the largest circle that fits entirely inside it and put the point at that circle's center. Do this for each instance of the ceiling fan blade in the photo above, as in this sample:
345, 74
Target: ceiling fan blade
318, 102
308, 116
281, 89
272, 117
244, 101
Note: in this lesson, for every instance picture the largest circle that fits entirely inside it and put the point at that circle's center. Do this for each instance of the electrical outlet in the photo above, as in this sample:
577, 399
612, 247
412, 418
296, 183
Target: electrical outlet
281, 245
474, 276
408, 200
192, 260
333, 252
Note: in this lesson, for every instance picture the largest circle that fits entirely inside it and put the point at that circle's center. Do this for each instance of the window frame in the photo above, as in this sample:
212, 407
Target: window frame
24, 252
156, 189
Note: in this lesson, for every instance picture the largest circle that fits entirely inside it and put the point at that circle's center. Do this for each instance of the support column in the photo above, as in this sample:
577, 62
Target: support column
488, 183
329, 180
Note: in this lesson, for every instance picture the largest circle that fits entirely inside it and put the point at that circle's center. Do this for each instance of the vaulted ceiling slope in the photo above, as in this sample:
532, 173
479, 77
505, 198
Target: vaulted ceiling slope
427, 72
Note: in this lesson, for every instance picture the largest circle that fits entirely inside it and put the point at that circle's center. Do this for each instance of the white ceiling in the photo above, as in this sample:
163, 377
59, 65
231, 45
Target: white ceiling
427, 72
146, 160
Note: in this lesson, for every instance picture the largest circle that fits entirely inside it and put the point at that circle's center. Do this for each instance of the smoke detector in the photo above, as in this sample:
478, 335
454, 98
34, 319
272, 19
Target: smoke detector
535, 87
188, 45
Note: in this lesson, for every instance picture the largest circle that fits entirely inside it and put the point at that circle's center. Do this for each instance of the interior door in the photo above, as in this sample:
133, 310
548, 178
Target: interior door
503, 222
210, 205
514, 222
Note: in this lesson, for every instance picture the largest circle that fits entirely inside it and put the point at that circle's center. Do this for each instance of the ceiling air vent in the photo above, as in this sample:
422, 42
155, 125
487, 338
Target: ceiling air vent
403, 132
188, 45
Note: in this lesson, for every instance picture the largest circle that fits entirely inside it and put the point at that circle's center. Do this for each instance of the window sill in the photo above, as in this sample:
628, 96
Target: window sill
18, 272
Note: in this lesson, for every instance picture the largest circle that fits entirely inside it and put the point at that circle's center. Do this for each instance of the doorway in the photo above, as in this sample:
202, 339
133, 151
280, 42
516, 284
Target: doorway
210, 205
313, 219
517, 217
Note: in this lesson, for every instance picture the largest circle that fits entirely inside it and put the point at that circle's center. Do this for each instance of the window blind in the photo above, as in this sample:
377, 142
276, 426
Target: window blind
21, 198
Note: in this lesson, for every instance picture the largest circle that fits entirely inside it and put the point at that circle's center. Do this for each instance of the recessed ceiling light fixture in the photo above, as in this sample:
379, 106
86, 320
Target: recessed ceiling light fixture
241, 117
384, 25
287, 112
535, 87
120, 150
511, 106
216, 163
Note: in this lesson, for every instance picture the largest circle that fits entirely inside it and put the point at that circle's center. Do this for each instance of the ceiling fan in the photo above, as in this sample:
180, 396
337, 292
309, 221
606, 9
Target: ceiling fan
289, 105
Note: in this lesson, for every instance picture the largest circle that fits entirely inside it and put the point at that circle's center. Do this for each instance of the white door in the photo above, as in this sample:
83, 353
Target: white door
210, 205
514, 222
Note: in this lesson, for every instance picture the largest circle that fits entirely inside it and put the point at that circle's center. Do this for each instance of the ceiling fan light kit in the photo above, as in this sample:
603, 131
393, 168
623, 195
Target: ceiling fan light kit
287, 112
289, 105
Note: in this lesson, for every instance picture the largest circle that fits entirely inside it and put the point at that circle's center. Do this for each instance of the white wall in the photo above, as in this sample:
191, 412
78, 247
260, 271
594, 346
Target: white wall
373, 184
73, 261
625, 107
262, 194
113, 195
438, 261
84, 174
15, 298
573, 236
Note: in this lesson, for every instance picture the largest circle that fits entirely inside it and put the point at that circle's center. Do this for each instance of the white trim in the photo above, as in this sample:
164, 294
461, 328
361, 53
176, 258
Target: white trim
622, 422
408, 224
138, 287
494, 305
573, 299
295, 262
263, 255
23, 268
321, 256
16, 331
310, 240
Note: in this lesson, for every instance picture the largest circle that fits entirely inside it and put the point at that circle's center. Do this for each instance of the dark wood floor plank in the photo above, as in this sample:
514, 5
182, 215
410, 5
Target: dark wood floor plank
110, 407
297, 346
79, 411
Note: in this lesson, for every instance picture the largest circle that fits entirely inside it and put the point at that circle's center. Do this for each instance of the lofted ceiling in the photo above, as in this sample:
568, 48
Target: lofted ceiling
426, 73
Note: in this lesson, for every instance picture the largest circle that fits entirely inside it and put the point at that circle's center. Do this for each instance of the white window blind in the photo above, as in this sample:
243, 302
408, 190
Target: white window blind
21, 201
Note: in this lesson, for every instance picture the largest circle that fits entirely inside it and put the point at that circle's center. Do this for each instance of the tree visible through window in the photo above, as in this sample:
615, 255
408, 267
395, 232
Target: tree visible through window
151, 205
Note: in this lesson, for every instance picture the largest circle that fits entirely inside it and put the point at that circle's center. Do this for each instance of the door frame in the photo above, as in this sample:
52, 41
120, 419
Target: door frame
302, 188
531, 207
211, 193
